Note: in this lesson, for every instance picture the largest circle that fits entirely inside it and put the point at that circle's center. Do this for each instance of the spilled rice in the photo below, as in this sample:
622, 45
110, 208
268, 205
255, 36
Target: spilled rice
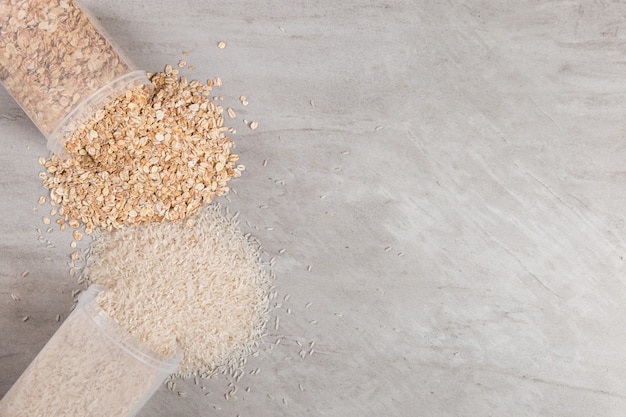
198, 285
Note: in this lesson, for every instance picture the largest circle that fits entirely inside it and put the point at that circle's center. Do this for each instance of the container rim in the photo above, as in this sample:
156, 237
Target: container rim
88, 106
124, 340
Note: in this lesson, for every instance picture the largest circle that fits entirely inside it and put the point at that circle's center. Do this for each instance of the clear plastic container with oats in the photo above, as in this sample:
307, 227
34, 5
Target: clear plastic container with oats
59, 64
90, 367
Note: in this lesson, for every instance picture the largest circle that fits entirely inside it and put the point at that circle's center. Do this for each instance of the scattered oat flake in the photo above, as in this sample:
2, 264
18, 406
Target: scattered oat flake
45, 220
191, 67
74, 255
182, 63
253, 125
185, 53
73, 244
221, 44
42, 199
42, 160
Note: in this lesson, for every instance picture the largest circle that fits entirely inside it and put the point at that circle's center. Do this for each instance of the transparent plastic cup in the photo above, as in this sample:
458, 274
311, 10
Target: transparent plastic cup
91, 367
60, 65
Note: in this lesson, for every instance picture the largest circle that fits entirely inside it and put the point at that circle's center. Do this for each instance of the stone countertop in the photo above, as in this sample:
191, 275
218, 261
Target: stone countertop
447, 181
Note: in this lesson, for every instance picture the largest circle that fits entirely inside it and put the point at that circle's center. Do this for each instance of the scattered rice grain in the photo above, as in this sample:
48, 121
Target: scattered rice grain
210, 297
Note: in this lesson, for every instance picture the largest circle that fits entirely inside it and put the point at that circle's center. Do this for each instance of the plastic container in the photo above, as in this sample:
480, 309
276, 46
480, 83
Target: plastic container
59, 64
90, 367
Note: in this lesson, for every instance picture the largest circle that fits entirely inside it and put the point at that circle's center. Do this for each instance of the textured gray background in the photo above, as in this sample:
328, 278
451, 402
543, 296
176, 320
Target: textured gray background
453, 173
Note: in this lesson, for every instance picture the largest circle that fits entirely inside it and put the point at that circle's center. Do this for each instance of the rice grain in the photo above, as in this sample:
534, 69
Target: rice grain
201, 288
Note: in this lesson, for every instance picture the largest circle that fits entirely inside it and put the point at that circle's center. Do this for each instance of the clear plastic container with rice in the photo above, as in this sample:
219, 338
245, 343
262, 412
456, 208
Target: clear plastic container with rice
60, 65
90, 367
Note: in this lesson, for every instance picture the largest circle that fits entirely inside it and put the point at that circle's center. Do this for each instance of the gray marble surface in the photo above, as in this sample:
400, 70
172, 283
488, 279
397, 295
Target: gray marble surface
452, 172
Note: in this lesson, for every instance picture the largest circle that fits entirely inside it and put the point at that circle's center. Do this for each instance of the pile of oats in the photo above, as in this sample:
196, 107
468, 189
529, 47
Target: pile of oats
153, 154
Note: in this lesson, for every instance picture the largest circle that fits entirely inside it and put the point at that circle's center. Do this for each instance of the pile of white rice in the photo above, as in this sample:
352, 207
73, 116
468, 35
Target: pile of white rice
200, 286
